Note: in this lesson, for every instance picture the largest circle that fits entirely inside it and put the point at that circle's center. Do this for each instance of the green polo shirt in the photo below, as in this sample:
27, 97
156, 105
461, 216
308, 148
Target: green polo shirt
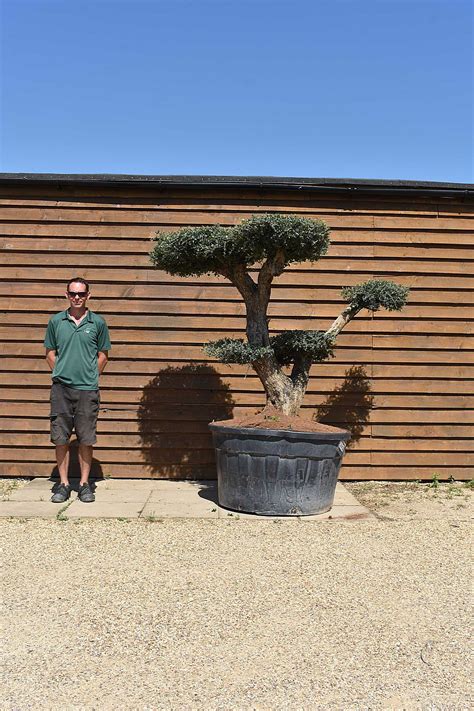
77, 348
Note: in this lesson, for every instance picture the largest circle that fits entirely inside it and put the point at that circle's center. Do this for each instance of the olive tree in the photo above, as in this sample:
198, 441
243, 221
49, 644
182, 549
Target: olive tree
250, 255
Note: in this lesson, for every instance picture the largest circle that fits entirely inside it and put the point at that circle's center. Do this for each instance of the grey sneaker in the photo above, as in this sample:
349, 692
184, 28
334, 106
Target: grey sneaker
61, 494
85, 494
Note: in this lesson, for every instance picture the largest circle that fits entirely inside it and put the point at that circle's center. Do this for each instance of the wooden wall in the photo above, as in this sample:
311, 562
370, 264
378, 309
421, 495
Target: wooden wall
401, 381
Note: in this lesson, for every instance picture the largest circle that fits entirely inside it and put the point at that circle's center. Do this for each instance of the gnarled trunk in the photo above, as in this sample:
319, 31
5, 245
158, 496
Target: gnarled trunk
284, 393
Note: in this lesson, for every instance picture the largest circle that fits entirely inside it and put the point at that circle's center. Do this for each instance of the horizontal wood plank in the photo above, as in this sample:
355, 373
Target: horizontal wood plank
196, 472
203, 440
21, 264
135, 252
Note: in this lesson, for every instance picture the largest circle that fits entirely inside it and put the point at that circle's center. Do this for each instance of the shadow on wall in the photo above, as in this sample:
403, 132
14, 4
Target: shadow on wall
349, 405
74, 468
173, 418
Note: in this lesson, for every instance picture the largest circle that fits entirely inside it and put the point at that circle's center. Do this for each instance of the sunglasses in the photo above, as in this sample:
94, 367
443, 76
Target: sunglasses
80, 294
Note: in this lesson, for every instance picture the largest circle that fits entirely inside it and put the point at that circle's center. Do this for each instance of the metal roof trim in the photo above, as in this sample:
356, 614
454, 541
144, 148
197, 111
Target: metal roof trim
262, 182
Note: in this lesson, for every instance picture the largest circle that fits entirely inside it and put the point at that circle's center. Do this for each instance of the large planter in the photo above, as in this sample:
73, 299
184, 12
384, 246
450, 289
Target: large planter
277, 472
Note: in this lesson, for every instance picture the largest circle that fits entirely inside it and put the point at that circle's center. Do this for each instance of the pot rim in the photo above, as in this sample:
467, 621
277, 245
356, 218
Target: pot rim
343, 435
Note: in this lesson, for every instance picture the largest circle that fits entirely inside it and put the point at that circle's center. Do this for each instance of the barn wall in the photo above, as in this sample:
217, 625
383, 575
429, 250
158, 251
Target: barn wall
401, 381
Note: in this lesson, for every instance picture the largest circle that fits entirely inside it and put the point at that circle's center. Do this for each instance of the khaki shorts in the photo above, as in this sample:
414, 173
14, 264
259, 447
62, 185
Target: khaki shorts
76, 410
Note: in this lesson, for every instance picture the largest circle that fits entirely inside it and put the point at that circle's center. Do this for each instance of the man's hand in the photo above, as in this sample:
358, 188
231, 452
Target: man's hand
102, 358
51, 357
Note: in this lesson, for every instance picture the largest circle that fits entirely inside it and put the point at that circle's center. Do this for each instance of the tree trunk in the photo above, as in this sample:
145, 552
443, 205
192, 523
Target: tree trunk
278, 386
299, 378
284, 393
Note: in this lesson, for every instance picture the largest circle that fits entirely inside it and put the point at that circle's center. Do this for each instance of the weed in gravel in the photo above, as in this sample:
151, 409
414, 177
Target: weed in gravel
434, 482
151, 518
61, 516
469, 484
454, 490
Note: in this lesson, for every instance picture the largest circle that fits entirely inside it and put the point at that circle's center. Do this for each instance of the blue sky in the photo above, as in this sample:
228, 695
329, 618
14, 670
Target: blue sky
339, 88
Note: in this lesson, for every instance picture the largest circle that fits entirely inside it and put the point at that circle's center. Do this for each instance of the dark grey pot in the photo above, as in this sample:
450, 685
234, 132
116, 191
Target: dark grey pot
277, 472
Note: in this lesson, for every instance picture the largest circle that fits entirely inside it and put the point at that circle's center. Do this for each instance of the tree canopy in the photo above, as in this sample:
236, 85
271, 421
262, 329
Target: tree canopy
214, 249
251, 254
376, 293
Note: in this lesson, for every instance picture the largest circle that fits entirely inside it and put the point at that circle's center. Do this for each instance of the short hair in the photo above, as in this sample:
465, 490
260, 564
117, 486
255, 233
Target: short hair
80, 280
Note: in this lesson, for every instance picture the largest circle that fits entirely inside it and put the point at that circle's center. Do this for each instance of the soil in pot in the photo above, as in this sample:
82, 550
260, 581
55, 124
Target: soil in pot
272, 419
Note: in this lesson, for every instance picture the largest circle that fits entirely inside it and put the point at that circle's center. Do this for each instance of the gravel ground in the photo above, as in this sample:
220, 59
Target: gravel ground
7, 486
199, 614
413, 501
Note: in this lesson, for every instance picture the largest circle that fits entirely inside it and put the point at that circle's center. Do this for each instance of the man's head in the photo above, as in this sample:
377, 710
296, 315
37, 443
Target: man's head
77, 292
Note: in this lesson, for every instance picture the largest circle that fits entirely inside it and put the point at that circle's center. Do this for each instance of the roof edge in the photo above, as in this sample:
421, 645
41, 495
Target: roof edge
224, 181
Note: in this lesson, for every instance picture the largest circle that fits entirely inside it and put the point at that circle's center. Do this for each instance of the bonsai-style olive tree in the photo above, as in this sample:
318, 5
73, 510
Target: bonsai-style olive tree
267, 244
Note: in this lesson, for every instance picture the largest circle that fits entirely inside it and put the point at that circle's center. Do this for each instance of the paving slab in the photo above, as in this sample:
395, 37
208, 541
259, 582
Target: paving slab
179, 504
344, 497
206, 490
156, 498
124, 484
39, 483
341, 513
31, 493
231, 515
29, 509
124, 496
182, 485
104, 509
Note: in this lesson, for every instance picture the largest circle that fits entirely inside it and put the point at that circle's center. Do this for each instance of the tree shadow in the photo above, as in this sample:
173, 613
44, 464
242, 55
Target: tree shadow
349, 405
173, 420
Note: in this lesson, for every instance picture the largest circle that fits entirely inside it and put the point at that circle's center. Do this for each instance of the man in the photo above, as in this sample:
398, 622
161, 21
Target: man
77, 344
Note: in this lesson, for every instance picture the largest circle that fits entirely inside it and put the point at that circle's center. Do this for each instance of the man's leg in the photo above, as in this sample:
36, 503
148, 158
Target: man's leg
61, 417
62, 491
62, 459
85, 462
85, 423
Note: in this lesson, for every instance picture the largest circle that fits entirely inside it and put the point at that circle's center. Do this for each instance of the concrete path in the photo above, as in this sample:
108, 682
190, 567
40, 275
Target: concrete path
152, 500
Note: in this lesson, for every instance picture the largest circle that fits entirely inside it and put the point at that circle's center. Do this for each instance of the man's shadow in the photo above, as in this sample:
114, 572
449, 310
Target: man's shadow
96, 472
349, 405
173, 420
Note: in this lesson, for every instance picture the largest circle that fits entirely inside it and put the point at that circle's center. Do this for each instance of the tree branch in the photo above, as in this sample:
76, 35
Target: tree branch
342, 320
242, 281
272, 267
300, 371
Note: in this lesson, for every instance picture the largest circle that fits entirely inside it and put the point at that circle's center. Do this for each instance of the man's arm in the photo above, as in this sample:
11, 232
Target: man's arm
102, 358
51, 357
